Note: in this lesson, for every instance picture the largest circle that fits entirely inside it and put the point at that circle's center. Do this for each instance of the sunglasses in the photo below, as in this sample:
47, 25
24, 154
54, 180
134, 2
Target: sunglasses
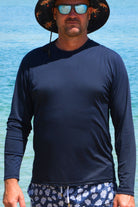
66, 8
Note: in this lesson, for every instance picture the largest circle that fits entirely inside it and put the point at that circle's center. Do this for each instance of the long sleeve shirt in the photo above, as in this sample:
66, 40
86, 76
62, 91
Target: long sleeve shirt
71, 95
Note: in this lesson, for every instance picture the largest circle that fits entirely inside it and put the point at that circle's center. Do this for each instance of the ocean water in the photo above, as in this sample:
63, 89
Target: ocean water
20, 33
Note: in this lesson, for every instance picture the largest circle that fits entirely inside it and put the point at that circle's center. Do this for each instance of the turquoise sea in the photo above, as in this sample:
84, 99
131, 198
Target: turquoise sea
20, 33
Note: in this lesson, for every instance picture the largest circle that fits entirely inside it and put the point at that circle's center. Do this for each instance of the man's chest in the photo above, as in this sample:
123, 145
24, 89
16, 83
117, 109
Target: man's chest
70, 81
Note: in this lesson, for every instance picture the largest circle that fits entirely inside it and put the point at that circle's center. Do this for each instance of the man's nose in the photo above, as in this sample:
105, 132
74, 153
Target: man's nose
72, 12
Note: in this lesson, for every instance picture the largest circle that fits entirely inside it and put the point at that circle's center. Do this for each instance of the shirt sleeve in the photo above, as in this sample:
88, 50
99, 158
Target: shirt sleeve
121, 113
19, 123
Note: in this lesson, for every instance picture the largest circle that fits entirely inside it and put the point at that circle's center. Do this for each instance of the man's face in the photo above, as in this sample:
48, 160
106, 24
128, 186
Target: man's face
72, 24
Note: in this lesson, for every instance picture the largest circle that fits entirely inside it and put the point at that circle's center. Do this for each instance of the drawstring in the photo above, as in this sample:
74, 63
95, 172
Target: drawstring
49, 53
61, 190
68, 200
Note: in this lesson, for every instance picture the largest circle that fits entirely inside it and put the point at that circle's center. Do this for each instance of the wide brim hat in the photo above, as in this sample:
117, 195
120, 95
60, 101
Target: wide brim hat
44, 15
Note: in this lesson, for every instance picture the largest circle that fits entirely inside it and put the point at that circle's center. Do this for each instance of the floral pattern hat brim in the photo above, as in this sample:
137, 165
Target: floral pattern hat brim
44, 15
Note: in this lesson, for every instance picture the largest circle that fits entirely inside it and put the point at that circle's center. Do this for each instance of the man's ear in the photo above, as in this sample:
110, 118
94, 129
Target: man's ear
54, 13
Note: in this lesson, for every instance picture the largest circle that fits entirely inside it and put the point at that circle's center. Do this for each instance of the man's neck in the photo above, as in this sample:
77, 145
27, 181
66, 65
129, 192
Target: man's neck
70, 44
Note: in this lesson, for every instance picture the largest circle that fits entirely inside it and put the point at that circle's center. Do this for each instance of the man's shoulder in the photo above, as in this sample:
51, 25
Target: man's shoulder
108, 51
103, 51
36, 56
112, 59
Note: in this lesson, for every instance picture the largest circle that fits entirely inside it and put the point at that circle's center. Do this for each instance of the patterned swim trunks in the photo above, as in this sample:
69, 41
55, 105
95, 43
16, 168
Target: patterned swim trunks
88, 195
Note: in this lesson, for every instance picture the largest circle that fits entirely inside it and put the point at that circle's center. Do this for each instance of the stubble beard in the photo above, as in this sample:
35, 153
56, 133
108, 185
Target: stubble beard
72, 27
73, 31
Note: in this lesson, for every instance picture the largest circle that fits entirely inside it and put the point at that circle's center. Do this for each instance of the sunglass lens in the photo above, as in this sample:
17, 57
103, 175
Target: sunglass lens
64, 9
81, 9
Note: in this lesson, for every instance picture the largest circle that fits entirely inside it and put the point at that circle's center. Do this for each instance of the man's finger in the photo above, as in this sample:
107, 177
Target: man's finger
22, 202
10, 204
115, 203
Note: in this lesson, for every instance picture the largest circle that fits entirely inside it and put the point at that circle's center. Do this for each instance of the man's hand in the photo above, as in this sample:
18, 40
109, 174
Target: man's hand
122, 200
13, 194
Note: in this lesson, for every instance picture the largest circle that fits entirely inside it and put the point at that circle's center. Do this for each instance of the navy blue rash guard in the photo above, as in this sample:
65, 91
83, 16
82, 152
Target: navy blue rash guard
71, 95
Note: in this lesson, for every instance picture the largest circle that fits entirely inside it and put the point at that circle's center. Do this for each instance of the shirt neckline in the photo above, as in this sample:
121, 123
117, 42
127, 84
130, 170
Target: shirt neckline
71, 51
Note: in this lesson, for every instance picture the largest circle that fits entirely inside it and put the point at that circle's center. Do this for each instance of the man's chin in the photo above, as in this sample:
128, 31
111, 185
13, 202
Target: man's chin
72, 32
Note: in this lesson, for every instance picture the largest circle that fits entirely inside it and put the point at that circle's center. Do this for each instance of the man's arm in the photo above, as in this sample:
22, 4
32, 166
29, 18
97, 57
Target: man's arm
18, 129
120, 105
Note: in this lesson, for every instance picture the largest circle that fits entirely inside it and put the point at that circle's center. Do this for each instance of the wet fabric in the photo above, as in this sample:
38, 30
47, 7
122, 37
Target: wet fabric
74, 196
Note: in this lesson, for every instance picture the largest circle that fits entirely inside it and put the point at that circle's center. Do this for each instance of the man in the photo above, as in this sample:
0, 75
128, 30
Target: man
71, 86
